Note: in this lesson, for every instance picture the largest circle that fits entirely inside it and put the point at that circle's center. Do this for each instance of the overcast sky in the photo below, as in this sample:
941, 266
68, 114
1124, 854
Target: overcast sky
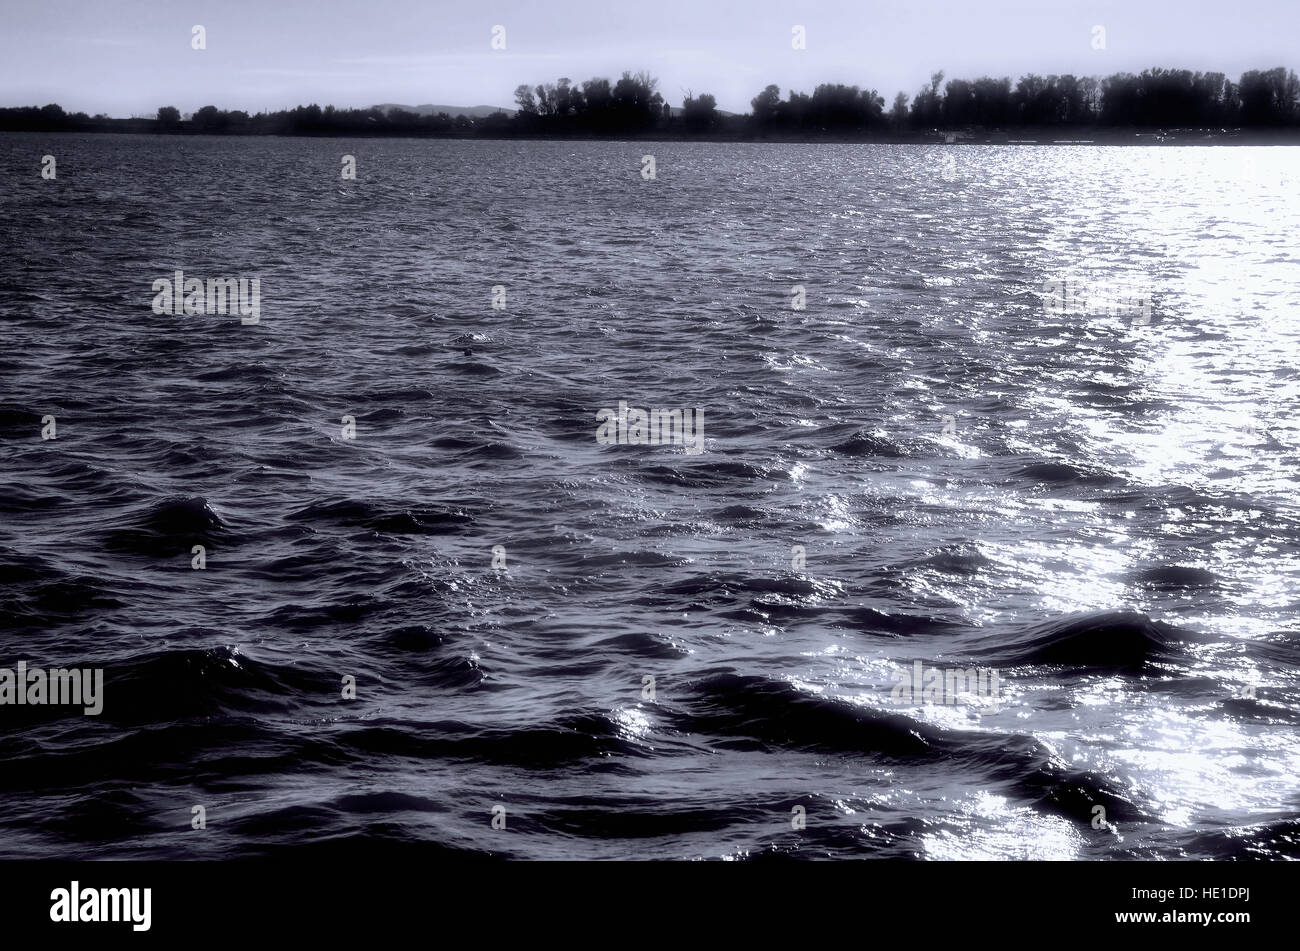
127, 57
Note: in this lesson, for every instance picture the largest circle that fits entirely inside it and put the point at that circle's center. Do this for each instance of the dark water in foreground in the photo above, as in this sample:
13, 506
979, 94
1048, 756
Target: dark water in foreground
1109, 520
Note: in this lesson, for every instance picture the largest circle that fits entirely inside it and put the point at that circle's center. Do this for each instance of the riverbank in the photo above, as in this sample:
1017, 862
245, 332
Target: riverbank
1024, 136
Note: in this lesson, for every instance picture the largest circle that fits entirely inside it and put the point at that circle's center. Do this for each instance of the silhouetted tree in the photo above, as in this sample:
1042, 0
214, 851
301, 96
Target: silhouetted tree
635, 102
898, 112
700, 114
209, 119
992, 101
1269, 98
926, 105
524, 100
766, 106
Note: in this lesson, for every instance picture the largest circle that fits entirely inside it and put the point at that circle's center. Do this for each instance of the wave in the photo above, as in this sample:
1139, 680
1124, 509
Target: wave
1065, 473
1114, 641
755, 713
379, 517
1175, 577
169, 526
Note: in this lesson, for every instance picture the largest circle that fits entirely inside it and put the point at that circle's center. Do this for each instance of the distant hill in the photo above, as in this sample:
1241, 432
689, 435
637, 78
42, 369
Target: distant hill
429, 109
678, 110
478, 112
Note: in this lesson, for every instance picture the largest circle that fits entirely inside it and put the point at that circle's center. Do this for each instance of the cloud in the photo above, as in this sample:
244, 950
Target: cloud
434, 60
298, 73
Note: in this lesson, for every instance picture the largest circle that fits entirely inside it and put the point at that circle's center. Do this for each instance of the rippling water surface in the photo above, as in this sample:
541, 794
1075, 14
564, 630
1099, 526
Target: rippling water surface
1103, 510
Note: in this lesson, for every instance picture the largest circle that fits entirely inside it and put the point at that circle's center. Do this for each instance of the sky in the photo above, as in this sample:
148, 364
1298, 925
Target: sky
128, 57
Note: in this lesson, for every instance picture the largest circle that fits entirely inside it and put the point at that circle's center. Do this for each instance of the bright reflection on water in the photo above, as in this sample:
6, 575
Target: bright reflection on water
926, 464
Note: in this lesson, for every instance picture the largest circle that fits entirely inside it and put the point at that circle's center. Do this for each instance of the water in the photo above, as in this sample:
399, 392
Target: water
1100, 508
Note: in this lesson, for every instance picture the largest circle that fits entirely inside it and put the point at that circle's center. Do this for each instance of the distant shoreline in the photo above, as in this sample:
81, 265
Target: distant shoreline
1107, 136
1157, 107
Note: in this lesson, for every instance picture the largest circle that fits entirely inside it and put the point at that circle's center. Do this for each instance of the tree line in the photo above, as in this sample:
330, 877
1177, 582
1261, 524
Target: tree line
633, 106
